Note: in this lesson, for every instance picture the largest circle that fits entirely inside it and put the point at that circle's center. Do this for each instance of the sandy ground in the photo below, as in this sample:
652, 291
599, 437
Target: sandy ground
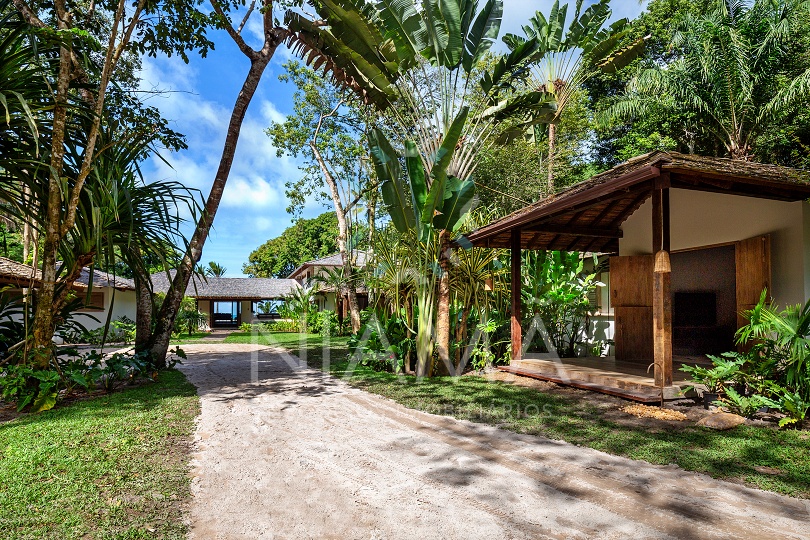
302, 455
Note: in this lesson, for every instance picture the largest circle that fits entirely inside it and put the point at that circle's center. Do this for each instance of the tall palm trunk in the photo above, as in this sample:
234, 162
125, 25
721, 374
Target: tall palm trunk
259, 60
443, 308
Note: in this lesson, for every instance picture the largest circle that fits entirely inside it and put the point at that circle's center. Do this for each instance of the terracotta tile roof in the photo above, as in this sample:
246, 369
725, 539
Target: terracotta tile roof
19, 273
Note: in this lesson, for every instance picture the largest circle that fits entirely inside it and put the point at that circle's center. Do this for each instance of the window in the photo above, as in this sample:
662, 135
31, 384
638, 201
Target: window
96, 301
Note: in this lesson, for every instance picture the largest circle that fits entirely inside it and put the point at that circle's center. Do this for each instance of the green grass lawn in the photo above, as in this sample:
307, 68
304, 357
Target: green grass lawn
758, 456
113, 466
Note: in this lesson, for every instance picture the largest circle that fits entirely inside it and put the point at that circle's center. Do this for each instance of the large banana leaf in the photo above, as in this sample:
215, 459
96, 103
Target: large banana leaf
443, 22
405, 27
584, 28
539, 105
389, 171
320, 48
510, 68
457, 204
483, 34
416, 176
353, 23
436, 195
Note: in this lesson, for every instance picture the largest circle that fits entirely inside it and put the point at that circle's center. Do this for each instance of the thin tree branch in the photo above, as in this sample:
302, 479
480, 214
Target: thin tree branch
236, 36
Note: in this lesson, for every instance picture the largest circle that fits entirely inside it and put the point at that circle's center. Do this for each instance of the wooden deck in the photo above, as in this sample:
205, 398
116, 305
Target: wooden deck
627, 380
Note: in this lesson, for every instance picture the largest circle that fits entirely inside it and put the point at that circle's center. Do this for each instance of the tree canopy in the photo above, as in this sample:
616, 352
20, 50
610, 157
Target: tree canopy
304, 240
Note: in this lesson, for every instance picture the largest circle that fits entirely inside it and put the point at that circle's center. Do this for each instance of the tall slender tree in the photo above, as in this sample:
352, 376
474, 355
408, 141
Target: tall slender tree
567, 59
419, 61
273, 35
79, 105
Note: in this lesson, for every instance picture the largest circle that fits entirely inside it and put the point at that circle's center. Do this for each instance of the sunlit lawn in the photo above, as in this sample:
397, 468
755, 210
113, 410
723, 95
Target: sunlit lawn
113, 466
762, 457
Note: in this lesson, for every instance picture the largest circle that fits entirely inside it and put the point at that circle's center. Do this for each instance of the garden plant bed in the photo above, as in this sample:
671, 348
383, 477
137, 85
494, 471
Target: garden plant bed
106, 466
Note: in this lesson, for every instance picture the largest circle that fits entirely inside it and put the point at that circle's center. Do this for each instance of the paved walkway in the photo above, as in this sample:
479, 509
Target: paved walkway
302, 455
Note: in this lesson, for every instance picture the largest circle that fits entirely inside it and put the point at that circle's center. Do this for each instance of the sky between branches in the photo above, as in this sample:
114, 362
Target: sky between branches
198, 101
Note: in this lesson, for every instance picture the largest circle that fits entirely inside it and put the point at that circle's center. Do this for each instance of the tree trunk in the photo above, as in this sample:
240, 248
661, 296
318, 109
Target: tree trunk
43, 326
552, 143
461, 338
343, 235
143, 304
443, 309
372, 230
159, 342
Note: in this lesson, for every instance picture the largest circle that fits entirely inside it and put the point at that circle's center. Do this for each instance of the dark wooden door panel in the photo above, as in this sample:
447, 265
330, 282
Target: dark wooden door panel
753, 260
631, 281
634, 334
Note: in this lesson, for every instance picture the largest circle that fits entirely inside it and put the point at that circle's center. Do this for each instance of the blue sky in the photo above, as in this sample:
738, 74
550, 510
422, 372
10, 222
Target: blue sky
198, 99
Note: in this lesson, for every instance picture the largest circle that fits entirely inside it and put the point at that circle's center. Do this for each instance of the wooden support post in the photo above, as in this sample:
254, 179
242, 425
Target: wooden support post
517, 282
662, 320
662, 294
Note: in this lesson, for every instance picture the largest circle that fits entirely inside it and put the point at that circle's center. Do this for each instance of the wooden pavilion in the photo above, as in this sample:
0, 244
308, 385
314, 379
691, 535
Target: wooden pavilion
705, 214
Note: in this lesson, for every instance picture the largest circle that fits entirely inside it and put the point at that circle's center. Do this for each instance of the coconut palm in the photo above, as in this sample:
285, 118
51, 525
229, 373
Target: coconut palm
567, 59
727, 73
214, 269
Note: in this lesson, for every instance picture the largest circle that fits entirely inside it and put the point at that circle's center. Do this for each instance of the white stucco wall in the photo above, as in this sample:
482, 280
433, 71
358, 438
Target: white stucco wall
124, 305
704, 219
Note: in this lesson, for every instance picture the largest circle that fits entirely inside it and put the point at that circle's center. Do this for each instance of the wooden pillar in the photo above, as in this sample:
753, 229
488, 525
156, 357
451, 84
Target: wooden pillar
517, 282
662, 294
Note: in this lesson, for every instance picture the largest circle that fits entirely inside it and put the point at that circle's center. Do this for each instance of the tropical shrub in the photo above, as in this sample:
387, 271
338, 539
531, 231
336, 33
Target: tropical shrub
41, 389
189, 318
779, 342
555, 289
382, 345
121, 330
325, 322
745, 405
717, 378
487, 353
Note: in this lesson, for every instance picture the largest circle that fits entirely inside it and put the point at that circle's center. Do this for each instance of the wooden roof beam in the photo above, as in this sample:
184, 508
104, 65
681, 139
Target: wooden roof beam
577, 230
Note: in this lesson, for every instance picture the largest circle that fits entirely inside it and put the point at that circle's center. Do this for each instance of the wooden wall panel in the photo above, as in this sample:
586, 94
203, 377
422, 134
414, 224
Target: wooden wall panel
753, 260
631, 281
631, 292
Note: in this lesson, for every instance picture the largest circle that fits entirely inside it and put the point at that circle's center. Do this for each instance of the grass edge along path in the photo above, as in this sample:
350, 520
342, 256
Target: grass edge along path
111, 466
760, 457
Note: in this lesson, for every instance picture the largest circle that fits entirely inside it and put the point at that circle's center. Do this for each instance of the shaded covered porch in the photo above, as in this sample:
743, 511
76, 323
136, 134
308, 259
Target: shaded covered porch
655, 214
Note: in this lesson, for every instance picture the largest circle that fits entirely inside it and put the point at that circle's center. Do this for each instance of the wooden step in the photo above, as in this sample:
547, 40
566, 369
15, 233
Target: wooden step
633, 395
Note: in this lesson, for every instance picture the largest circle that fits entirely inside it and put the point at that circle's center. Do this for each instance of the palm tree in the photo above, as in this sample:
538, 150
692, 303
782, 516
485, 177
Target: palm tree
565, 60
214, 269
728, 71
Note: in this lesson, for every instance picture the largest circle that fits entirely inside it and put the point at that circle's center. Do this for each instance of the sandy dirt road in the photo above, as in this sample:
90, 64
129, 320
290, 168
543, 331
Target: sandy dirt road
303, 455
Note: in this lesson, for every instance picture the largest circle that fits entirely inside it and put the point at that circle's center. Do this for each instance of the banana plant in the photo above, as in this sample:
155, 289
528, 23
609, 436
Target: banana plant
430, 207
420, 61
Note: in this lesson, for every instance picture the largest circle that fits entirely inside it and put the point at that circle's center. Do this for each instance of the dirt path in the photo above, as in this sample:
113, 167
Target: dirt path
302, 455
